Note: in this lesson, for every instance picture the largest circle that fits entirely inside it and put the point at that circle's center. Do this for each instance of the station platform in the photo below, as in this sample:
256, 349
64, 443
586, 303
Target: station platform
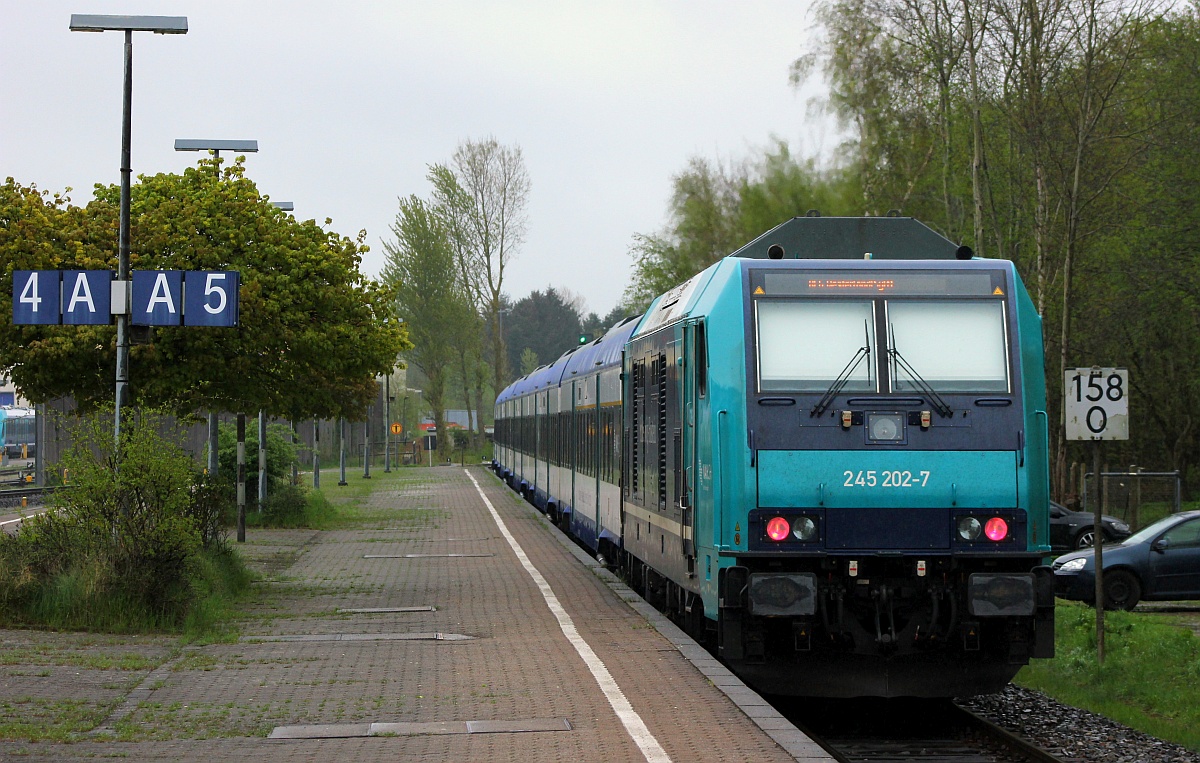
447, 620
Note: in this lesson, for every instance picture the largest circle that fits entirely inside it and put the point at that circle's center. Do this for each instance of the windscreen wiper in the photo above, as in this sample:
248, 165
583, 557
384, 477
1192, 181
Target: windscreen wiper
939, 405
843, 377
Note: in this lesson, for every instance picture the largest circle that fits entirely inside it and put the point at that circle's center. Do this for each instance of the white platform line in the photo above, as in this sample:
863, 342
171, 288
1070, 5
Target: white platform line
651, 749
22, 519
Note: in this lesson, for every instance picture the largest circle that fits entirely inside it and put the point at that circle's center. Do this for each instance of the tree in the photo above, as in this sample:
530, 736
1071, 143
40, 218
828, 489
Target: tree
423, 274
543, 323
482, 193
714, 210
313, 335
529, 361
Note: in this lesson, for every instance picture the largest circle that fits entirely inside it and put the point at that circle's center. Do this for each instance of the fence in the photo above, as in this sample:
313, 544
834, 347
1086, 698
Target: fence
1137, 497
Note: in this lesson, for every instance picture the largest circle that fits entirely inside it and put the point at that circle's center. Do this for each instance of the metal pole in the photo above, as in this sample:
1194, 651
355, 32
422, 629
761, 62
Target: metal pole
39, 444
295, 464
262, 459
213, 444
1098, 545
123, 243
342, 450
316, 454
214, 441
367, 445
241, 478
387, 424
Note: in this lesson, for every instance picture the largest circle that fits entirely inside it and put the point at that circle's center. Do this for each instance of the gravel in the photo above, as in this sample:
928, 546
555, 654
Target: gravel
1071, 733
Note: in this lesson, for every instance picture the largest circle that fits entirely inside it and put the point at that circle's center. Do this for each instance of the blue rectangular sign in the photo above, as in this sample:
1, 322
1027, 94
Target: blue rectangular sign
87, 297
211, 297
157, 297
36, 297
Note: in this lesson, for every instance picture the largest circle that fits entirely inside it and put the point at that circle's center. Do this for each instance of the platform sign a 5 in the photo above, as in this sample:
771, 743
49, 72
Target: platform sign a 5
36, 297
87, 297
157, 298
211, 298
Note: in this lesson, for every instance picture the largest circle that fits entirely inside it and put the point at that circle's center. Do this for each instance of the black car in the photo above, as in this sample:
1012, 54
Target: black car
1073, 529
1158, 563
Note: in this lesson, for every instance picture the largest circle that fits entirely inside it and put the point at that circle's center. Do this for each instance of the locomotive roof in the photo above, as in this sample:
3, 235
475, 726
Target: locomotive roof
852, 238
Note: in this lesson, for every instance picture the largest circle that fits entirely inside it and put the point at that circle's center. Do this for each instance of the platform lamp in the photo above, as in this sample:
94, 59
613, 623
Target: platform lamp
216, 146
82, 22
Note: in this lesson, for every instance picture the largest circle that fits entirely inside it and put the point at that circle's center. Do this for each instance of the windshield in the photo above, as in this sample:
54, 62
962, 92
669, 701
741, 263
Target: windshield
1149, 531
806, 345
954, 346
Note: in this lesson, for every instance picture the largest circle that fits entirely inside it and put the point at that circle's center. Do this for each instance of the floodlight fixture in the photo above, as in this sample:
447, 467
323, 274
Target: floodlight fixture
88, 22
189, 144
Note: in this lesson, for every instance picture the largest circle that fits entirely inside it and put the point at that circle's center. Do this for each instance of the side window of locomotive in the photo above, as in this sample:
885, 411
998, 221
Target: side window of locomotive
701, 361
953, 346
804, 346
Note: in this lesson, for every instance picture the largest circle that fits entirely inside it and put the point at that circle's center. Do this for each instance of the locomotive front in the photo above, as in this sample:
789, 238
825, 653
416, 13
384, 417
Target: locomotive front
887, 533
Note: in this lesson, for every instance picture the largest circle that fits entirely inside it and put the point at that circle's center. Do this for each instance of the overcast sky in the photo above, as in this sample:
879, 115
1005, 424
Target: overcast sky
351, 101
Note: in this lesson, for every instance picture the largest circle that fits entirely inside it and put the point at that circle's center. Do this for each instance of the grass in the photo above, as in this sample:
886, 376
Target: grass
1150, 679
37, 719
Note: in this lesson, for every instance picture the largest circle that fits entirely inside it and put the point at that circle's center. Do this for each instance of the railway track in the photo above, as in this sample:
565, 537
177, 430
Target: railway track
882, 731
17, 504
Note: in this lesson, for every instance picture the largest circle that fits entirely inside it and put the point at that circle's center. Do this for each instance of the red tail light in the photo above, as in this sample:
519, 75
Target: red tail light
778, 529
996, 529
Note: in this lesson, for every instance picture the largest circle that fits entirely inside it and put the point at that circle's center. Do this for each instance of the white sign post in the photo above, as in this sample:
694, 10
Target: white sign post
1095, 408
1096, 403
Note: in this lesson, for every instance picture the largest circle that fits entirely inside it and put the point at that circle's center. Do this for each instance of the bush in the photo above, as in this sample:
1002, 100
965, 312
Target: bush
281, 454
122, 545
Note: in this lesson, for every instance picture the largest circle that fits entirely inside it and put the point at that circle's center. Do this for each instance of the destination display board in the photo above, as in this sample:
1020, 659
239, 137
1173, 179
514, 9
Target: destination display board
793, 283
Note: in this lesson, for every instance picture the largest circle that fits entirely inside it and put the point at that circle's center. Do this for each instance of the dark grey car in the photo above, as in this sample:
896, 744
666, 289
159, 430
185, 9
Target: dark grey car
1158, 563
1074, 529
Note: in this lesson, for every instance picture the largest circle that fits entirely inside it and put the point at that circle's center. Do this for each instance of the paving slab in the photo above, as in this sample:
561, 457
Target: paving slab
416, 632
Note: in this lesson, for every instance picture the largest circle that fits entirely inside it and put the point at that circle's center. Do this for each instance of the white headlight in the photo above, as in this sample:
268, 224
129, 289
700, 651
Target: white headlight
1075, 565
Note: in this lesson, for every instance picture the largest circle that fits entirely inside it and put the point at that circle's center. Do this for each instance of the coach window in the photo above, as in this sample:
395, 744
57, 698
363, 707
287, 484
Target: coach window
953, 346
803, 346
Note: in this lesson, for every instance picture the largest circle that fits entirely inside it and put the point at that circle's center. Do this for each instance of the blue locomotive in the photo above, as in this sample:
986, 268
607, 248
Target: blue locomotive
826, 453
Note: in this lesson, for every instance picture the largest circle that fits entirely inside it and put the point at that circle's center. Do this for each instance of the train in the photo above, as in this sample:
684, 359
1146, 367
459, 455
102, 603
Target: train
825, 456
18, 431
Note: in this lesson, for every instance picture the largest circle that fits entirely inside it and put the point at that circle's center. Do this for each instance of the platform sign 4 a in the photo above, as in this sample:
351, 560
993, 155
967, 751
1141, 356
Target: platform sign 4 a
159, 297
87, 297
37, 297
1096, 403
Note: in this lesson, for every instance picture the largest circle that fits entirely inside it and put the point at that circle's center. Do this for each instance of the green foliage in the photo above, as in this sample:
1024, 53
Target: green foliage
1149, 677
714, 210
124, 544
424, 277
529, 361
314, 332
542, 322
281, 454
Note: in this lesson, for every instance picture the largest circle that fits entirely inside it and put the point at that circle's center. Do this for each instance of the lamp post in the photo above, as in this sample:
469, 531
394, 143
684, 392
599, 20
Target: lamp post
81, 22
216, 147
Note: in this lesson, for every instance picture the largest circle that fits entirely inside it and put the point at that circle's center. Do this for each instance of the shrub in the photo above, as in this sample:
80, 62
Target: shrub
120, 548
281, 454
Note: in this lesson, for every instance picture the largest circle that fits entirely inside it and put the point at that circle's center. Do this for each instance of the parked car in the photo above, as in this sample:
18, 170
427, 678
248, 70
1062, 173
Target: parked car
1158, 563
1073, 529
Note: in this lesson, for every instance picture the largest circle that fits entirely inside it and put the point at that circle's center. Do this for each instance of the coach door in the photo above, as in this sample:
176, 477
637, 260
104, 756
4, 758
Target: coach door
695, 374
